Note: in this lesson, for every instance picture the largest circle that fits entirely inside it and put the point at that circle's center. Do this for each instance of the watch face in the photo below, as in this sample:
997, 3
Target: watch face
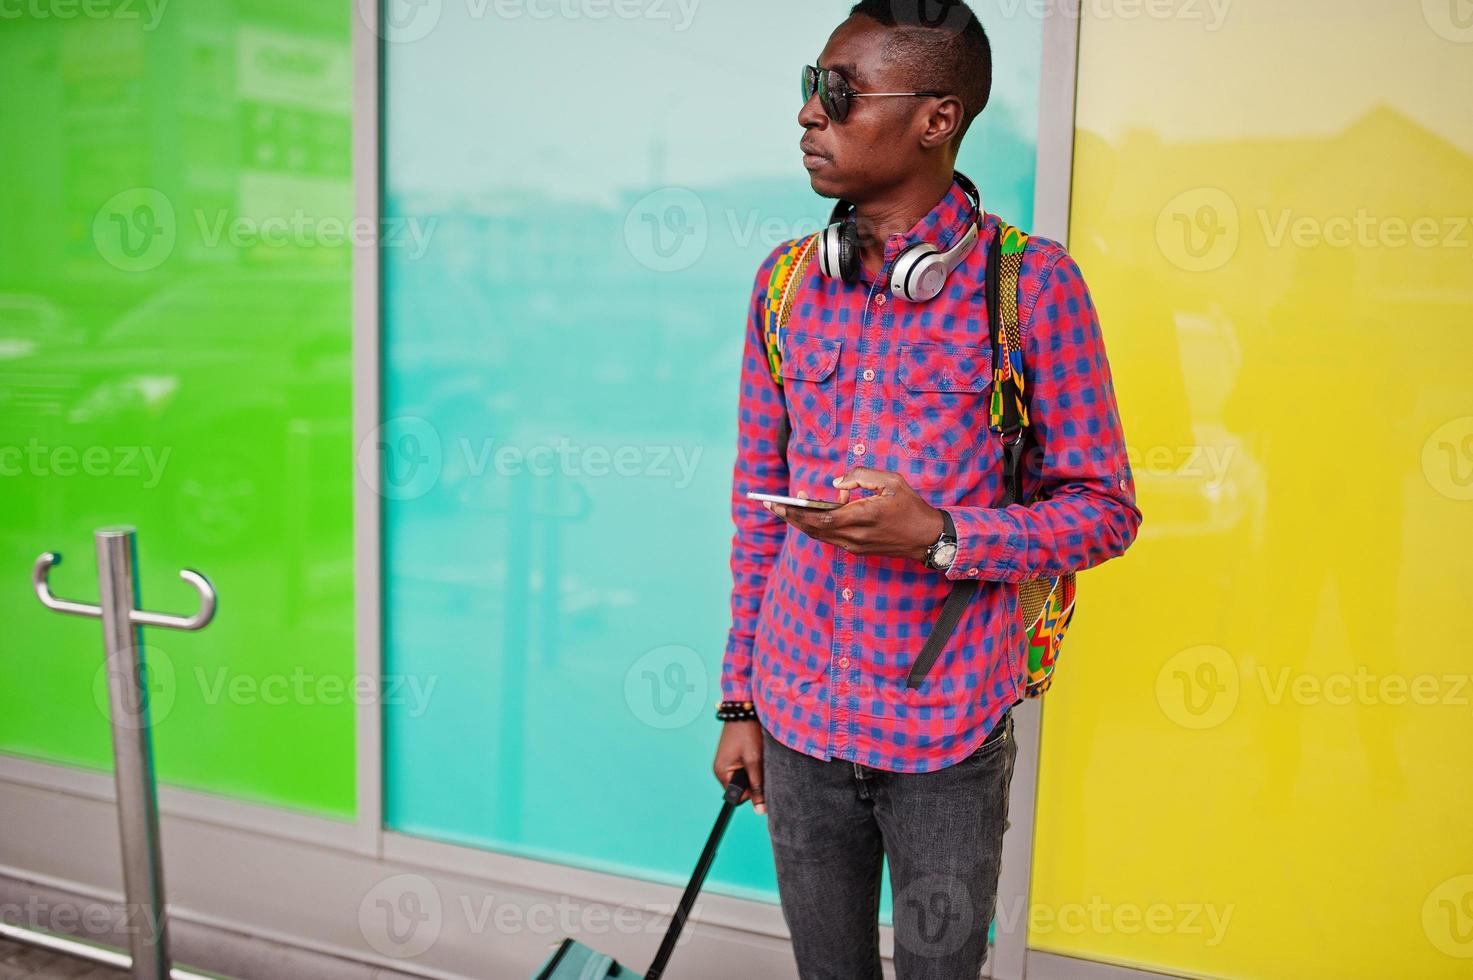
944, 555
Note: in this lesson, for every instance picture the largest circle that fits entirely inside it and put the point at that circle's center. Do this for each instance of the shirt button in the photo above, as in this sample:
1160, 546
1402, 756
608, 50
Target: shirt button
843, 661
869, 375
880, 300
859, 449
847, 594
971, 571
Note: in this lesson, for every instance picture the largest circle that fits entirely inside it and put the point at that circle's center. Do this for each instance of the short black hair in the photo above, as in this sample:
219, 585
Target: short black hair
940, 46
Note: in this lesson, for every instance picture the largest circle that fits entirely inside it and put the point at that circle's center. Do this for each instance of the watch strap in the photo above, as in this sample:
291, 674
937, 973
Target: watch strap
949, 528
948, 534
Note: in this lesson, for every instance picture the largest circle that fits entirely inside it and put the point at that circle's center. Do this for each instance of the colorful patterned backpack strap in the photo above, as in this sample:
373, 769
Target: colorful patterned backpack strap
1046, 604
782, 289
1009, 401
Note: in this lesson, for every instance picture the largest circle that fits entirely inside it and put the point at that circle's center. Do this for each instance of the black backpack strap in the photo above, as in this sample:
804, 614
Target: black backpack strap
951, 614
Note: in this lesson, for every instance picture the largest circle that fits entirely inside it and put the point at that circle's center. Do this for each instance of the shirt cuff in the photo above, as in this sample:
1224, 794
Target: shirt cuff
736, 671
988, 543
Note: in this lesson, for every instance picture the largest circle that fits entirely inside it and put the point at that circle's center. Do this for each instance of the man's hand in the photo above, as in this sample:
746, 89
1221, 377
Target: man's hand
741, 748
894, 520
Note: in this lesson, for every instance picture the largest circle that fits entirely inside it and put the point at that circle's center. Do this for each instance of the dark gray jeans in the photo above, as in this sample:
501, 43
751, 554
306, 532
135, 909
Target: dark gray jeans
831, 824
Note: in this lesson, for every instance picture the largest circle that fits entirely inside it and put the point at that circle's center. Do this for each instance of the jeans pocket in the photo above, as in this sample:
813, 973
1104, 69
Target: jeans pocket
996, 741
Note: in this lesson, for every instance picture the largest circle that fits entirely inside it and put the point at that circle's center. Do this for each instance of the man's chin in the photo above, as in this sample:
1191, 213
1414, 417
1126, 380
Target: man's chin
823, 182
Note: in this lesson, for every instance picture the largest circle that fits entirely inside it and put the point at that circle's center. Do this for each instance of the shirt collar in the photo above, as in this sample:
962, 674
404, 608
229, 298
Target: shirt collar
942, 225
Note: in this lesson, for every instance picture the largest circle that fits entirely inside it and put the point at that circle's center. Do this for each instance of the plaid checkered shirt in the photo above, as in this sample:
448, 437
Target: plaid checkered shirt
821, 640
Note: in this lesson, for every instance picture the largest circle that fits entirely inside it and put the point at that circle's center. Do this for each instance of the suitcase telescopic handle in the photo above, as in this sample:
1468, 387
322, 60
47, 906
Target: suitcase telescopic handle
739, 784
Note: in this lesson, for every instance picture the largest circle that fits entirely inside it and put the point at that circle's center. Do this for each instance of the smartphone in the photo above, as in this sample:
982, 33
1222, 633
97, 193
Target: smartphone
794, 501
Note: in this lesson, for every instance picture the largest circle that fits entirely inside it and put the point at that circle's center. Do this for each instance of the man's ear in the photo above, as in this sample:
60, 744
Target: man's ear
943, 122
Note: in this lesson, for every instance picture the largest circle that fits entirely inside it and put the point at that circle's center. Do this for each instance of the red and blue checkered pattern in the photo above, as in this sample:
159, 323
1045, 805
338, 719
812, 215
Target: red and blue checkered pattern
822, 640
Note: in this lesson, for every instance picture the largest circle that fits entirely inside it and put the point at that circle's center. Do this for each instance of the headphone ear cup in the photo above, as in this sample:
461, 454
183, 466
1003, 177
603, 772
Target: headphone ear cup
828, 251
849, 252
918, 275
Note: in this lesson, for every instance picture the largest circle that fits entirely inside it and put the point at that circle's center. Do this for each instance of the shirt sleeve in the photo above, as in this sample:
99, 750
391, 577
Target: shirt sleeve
761, 465
1075, 467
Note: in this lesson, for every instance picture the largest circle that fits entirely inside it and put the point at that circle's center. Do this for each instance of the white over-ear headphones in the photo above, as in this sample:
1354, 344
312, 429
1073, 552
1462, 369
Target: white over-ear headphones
919, 273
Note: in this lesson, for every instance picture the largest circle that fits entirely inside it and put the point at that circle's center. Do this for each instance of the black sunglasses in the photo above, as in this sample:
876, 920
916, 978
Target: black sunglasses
834, 91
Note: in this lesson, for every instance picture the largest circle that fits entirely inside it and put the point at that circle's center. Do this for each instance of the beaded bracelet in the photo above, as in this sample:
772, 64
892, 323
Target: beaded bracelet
735, 711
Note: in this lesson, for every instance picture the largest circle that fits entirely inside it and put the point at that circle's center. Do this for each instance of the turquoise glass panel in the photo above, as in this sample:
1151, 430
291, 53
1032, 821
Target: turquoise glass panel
593, 197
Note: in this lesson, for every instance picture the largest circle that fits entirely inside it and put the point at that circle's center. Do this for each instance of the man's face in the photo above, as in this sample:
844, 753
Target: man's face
876, 144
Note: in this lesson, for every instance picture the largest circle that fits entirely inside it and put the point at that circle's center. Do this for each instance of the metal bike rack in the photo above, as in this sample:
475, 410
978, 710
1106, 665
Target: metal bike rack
127, 695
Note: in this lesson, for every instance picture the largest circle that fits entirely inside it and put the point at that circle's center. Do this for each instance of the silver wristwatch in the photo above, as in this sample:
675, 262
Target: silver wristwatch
941, 554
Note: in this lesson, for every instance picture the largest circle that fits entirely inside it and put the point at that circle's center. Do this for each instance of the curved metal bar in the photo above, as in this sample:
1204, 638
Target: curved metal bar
39, 582
198, 621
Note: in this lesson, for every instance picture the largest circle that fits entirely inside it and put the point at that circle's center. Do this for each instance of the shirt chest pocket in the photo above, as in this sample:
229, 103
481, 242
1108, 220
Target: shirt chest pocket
811, 386
942, 409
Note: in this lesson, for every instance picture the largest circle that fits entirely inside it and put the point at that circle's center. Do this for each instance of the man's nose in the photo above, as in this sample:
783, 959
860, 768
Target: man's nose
812, 116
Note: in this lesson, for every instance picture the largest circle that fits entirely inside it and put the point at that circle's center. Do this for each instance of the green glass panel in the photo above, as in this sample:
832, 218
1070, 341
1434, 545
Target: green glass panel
175, 354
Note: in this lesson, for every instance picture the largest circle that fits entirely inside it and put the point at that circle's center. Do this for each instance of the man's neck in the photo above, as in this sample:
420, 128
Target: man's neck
895, 214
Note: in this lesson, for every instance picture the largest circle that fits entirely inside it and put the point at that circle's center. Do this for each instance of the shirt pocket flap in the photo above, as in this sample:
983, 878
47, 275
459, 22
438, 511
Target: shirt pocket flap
945, 367
810, 358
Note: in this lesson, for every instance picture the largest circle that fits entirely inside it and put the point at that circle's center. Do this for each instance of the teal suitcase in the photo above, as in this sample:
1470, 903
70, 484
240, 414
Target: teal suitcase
574, 961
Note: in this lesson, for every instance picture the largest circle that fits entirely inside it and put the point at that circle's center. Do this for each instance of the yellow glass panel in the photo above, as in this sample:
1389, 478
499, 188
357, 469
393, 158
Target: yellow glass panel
1258, 753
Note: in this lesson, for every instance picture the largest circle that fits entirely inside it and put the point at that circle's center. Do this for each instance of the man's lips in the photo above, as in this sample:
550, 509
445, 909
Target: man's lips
811, 155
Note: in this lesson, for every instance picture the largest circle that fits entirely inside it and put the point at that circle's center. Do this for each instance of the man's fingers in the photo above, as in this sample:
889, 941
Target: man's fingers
753, 767
868, 479
724, 771
802, 518
754, 775
843, 527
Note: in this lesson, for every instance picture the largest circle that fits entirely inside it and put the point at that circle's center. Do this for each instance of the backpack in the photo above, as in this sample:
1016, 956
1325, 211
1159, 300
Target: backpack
1046, 604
